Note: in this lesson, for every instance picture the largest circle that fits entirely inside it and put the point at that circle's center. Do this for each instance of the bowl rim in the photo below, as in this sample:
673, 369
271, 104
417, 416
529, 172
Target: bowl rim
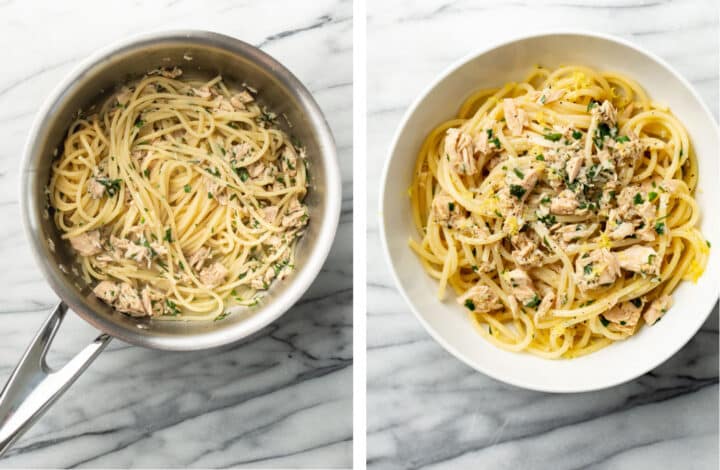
476, 53
328, 224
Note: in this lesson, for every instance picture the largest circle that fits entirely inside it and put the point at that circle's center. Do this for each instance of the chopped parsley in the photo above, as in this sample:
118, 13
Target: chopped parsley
554, 136
222, 316
517, 191
622, 138
139, 123
518, 173
591, 104
660, 228
638, 199
540, 157
548, 219
545, 200
242, 173
534, 302
187, 188
588, 269
496, 142
172, 308
470, 305
576, 135
636, 302
652, 195
451, 206
168, 236
602, 131
111, 186
543, 99
604, 321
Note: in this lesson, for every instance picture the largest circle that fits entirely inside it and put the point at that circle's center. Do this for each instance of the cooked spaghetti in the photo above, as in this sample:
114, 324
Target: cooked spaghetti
180, 197
560, 210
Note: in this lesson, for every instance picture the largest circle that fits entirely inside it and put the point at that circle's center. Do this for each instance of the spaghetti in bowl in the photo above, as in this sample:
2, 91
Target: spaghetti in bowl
531, 258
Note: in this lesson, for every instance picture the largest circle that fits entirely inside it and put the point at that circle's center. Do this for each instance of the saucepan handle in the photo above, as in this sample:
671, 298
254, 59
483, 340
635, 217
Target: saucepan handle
33, 387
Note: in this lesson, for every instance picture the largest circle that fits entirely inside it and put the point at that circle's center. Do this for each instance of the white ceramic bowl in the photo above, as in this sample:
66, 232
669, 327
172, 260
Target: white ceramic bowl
446, 321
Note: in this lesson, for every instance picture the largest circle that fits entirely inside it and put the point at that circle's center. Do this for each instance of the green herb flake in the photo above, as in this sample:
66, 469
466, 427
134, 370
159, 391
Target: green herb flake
168, 235
540, 157
534, 302
517, 191
576, 135
243, 174
470, 305
111, 186
187, 188
222, 316
660, 228
553, 136
604, 321
652, 195
638, 199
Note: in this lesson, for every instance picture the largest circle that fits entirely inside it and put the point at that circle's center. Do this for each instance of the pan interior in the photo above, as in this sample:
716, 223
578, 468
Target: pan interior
204, 56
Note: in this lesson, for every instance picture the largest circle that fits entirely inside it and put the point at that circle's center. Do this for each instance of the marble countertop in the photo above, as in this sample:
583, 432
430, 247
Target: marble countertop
427, 409
282, 399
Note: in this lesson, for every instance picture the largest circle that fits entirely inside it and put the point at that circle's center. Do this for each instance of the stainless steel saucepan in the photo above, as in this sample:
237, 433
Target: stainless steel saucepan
33, 386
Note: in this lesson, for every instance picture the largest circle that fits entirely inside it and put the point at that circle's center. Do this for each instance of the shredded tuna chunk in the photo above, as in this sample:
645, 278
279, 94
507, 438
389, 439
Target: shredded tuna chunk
107, 291
289, 160
270, 213
123, 96
445, 210
138, 253
459, 149
624, 314
152, 301
573, 168
95, 189
522, 286
213, 275
128, 301
514, 117
480, 298
657, 309
203, 92
87, 243
220, 103
241, 151
595, 269
564, 203
605, 112
241, 99
198, 258
526, 250
546, 304
296, 214
639, 259
482, 144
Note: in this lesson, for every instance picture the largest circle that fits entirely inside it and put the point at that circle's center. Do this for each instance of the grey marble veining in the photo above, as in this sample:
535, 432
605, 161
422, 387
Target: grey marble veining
281, 399
426, 408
